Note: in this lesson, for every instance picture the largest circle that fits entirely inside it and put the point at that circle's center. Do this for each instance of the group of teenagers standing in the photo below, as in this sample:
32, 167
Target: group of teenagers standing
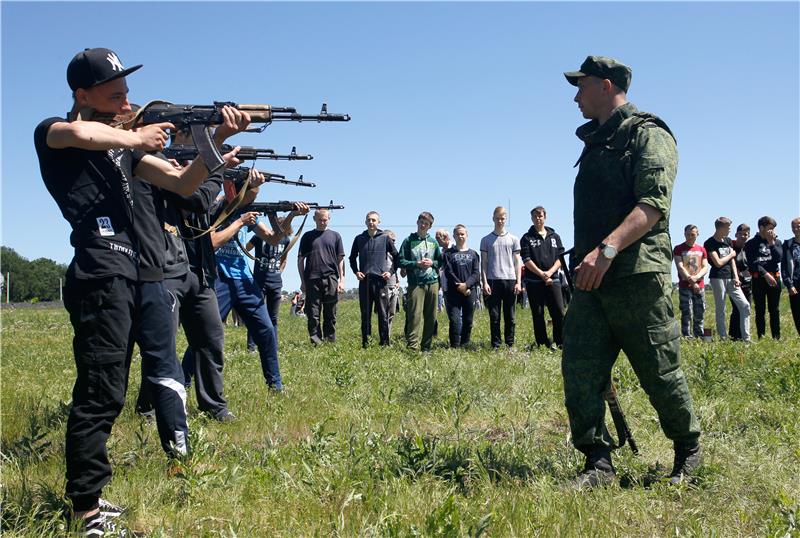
742, 269
432, 263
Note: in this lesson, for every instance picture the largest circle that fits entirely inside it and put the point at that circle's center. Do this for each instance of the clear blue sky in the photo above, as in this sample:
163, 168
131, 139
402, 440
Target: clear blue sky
457, 107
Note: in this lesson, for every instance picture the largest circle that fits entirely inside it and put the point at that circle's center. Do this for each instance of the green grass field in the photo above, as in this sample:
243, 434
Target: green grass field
383, 442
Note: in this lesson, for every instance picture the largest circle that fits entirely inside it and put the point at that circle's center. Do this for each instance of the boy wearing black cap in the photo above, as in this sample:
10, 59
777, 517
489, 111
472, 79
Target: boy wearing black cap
88, 168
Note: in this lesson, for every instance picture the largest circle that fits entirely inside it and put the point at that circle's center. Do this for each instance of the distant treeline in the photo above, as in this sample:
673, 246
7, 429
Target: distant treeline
31, 281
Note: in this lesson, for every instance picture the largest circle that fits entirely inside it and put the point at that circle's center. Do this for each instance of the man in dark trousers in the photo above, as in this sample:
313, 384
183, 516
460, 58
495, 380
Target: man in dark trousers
623, 296
462, 271
373, 259
764, 255
541, 249
321, 266
88, 168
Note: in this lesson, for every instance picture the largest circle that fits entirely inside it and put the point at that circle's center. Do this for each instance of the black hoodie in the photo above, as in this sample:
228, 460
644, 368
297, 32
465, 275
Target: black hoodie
371, 254
541, 251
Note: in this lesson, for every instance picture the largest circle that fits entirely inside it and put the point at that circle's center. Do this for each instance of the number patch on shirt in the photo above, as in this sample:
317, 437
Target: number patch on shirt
104, 226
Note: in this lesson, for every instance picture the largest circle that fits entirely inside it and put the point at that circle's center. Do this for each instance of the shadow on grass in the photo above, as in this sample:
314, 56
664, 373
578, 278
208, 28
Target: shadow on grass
463, 462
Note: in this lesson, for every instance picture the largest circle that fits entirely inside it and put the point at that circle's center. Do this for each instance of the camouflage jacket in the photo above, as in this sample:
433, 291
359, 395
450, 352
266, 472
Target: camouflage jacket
631, 159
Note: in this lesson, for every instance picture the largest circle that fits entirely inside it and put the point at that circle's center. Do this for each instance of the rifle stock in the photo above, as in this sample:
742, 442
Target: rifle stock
618, 416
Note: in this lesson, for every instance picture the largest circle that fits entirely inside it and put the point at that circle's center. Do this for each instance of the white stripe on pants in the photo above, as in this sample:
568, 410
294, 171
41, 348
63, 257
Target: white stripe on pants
722, 287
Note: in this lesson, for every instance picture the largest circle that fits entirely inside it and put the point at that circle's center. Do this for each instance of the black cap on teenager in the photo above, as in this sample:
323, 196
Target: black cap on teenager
95, 66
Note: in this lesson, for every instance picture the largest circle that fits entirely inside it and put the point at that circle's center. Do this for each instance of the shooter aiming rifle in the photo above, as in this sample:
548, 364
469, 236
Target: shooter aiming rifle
197, 119
184, 152
267, 208
610, 393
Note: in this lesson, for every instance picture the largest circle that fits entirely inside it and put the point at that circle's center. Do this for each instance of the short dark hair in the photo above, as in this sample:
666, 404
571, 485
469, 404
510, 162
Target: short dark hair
743, 228
539, 208
688, 227
427, 216
766, 221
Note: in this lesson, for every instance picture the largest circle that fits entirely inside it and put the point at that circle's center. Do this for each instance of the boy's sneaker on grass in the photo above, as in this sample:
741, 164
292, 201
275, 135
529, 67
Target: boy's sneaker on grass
101, 524
110, 509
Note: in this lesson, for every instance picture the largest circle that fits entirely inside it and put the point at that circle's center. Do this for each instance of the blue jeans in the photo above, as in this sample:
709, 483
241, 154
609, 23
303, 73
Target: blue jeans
246, 298
693, 308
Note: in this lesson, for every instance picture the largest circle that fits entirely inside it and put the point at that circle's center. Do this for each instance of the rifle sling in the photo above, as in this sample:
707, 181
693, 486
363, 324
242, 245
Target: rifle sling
285, 252
293, 241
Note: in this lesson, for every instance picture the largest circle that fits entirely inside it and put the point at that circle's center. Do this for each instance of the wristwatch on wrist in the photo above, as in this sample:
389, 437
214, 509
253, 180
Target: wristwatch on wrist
609, 252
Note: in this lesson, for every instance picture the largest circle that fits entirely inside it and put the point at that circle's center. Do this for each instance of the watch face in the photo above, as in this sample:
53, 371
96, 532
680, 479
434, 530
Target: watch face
609, 252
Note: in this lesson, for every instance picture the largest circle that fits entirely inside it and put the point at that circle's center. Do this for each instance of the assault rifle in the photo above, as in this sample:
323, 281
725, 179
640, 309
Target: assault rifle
184, 152
197, 119
240, 174
610, 393
274, 207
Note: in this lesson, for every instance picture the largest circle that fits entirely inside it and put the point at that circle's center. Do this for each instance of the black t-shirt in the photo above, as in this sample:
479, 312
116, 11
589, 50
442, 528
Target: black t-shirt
722, 248
741, 264
93, 192
322, 251
268, 260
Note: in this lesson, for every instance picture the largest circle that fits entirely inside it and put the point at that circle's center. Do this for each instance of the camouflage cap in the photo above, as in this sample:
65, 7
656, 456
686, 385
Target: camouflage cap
602, 67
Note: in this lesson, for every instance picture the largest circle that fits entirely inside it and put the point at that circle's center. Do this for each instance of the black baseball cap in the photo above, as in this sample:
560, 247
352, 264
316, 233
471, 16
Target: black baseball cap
602, 67
95, 66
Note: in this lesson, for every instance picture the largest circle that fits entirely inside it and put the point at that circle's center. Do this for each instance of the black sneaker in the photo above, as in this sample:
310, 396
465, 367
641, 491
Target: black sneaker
687, 460
101, 524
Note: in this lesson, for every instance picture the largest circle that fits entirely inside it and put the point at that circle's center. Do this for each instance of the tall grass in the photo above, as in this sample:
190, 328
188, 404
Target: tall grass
383, 442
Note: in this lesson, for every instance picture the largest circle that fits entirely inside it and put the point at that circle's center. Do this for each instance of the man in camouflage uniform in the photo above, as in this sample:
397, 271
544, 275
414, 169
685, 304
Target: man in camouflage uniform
622, 257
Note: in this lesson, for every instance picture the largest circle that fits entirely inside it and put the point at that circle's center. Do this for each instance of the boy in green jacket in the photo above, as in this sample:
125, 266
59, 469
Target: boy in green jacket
421, 257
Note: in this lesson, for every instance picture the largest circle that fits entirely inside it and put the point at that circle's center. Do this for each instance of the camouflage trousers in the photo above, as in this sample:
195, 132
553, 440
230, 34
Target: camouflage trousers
633, 314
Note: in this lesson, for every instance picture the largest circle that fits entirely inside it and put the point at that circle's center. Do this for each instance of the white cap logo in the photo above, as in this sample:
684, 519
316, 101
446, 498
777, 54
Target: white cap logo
116, 65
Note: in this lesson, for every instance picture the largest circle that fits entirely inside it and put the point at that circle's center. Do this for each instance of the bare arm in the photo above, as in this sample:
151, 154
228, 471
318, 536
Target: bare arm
683, 274
301, 269
185, 181
484, 268
518, 273
593, 267
721, 262
226, 234
341, 275
96, 136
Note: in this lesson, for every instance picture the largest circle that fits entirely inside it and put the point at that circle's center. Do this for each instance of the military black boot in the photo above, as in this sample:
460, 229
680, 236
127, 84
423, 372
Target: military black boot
687, 459
597, 471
